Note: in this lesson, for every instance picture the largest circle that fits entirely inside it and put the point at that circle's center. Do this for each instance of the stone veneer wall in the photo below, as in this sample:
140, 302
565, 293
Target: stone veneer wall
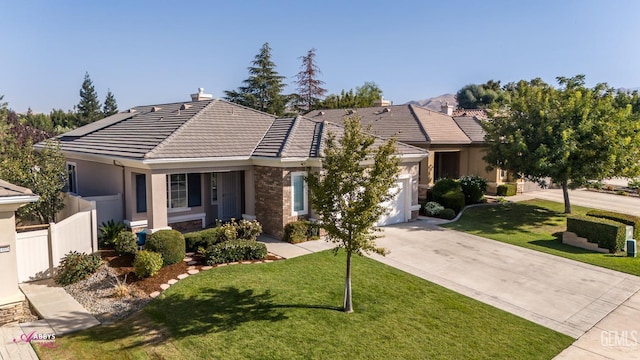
273, 198
14, 312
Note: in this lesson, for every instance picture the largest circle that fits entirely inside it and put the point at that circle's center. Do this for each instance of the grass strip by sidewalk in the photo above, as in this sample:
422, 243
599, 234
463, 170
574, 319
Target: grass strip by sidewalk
291, 310
537, 224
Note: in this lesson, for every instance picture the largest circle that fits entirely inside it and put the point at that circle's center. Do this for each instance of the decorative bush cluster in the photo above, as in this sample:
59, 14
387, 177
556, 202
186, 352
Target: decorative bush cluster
506, 190
235, 250
300, 231
474, 187
147, 263
76, 266
432, 208
453, 200
169, 243
109, 231
447, 214
243, 230
444, 186
126, 243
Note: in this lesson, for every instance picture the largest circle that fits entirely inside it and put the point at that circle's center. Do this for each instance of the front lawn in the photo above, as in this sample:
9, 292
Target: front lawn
536, 224
290, 310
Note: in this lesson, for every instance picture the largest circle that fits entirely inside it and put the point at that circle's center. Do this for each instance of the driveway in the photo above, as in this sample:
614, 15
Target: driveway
561, 294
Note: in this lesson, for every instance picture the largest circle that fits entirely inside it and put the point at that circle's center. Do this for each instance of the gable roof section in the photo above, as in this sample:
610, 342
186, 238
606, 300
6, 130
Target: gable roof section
442, 129
481, 114
8, 189
471, 127
386, 121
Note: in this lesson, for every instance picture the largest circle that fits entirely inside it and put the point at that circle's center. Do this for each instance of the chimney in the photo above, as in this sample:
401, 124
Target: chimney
201, 95
382, 102
446, 108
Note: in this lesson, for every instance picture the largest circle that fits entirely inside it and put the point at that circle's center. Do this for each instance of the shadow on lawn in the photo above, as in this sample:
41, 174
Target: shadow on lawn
504, 218
209, 310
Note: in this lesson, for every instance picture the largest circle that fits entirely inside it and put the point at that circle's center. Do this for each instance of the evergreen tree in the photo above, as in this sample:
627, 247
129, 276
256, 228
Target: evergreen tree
110, 107
310, 90
89, 105
263, 89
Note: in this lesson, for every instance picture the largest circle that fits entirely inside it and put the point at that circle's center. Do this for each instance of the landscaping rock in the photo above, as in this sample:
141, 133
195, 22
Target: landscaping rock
172, 281
183, 276
192, 262
188, 258
193, 271
154, 294
205, 268
165, 286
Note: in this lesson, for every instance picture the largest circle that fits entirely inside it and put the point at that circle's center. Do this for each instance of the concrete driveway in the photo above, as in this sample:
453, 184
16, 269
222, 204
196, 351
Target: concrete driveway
561, 294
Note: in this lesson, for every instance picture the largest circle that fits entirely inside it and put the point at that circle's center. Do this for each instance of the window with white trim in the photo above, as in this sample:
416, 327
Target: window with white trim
177, 191
72, 178
299, 193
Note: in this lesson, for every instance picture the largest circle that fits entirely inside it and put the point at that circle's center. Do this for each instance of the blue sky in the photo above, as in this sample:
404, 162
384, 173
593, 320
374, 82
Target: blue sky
151, 52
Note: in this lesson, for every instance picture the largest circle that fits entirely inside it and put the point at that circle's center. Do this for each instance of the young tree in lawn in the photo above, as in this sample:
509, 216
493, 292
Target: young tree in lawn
110, 106
347, 195
310, 90
572, 134
89, 105
263, 89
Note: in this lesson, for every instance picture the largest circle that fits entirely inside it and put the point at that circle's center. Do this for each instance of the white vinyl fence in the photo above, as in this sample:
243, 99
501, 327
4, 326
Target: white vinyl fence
39, 252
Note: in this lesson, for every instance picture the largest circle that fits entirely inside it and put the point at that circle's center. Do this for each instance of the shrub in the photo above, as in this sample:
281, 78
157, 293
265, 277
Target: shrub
193, 240
147, 263
608, 234
454, 200
474, 187
76, 266
235, 250
120, 288
447, 214
109, 231
507, 189
248, 230
634, 184
227, 231
429, 194
169, 243
443, 186
622, 218
296, 232
126, 243
432, 208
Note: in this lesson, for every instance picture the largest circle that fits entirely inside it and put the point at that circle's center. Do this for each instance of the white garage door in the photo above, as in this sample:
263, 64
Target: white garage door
395, 206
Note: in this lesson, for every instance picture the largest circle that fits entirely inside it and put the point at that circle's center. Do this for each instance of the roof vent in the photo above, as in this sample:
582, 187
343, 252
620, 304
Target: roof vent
386, 110
321, 113
185, 106
132, 110
201, 95
155, 108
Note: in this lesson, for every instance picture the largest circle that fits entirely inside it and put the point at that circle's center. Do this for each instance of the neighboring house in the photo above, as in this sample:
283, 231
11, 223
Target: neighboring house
12, 302
456, 143
184, 165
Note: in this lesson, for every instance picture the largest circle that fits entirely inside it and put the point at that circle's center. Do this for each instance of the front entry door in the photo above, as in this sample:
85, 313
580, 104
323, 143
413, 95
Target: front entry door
230, 202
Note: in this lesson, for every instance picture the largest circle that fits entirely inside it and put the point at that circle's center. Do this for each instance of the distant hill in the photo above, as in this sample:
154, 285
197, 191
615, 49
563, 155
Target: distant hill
434, 102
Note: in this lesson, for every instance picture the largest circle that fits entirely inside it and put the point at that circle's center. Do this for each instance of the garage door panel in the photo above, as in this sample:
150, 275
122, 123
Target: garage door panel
395, 206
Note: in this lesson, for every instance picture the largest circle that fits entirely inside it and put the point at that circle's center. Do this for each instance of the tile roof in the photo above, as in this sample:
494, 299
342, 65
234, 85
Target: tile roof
385, 121
481, 114
8, 189
471, 127
202, 129
441, 128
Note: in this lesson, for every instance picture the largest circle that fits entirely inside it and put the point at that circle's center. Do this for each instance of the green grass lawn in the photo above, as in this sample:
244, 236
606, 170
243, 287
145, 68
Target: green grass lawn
291, 310
536, 224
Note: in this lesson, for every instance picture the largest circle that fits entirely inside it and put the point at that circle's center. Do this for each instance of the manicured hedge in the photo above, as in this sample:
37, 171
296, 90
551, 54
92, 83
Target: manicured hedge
243, 230
623, 218
447, 214
443, 186
300, 231
235, 250
608, 234
202, 239
507, 190
454, 199
169, 243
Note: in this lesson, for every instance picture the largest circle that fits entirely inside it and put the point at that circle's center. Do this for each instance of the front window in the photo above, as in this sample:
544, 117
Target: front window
177, 191
299, 197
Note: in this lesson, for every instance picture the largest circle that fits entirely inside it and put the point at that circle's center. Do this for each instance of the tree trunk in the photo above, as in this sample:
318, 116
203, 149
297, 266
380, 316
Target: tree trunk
565, 193
348, 305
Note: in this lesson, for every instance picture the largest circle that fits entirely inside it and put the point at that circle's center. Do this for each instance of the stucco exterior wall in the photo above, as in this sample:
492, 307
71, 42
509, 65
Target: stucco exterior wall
9, 291
95, 179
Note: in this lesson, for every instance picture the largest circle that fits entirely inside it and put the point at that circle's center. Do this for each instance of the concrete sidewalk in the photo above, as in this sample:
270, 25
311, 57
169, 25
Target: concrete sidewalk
287, 250
61, 311
623, 204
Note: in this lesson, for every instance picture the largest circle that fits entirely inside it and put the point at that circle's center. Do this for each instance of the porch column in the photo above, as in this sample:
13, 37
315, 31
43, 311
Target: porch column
157, 202
249, 193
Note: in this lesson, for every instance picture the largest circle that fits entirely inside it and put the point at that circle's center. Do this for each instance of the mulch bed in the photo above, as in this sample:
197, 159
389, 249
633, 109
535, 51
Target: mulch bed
124, 267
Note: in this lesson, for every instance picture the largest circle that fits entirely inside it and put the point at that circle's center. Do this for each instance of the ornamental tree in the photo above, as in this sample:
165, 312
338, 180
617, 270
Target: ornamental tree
347, 195
571, 135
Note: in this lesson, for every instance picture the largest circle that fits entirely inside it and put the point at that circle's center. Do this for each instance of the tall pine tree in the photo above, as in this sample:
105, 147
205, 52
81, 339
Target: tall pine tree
263, 89
110, 106
89, 105
310, 90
